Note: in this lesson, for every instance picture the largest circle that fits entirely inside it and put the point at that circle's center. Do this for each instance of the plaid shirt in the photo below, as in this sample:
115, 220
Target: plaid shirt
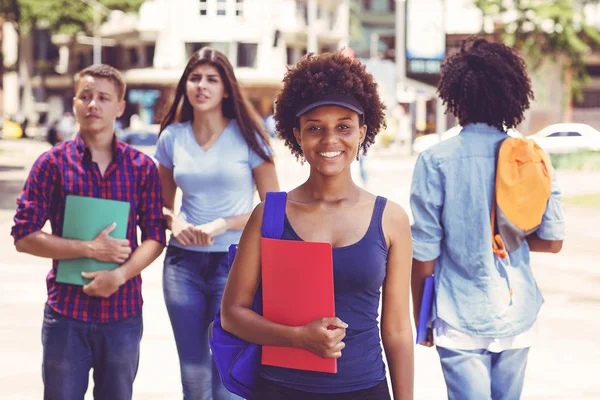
68, 169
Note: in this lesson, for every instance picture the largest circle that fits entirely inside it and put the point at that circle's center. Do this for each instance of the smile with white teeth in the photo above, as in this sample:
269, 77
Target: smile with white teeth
330, 154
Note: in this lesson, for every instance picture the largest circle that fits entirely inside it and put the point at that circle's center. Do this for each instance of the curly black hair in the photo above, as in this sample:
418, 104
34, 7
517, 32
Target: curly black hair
486, 82
328, 73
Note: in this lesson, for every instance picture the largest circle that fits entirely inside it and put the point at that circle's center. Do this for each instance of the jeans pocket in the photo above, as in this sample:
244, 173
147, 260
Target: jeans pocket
174, 255
51, 317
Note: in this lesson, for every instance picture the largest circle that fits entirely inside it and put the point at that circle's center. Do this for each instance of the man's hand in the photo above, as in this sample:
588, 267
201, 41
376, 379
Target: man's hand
104, 283
107, 249
205, 234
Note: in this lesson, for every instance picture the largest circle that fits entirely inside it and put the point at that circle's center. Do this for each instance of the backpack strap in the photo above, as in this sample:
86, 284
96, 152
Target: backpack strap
497, 243
231, 254
274, 215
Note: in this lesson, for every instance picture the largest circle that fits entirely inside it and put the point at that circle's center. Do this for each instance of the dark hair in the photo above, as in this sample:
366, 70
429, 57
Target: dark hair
106, 72
329, 73
486, 82
236, 106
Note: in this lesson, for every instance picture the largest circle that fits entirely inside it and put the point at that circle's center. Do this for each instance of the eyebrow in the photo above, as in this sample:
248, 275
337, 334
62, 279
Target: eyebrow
87, 90
341, 119
209, 75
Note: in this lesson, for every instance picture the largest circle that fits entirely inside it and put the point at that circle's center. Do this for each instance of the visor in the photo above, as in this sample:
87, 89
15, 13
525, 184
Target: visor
331, 100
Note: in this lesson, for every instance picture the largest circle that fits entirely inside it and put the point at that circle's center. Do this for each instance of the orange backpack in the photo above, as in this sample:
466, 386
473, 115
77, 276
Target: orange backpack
523, 186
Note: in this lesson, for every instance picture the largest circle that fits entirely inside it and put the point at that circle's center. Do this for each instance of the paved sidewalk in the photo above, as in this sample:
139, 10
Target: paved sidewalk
563, 365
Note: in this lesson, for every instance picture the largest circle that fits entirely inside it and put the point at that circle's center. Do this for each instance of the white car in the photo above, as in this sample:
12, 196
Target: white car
426, 141
567, 138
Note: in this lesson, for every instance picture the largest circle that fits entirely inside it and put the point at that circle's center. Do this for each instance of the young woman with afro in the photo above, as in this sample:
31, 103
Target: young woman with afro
484, 310
329, 112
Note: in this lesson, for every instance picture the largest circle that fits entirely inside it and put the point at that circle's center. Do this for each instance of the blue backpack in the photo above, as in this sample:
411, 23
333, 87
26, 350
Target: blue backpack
237, 360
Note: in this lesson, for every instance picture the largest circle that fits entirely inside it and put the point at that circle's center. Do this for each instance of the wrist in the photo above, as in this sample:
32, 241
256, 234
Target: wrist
297, 337
225, 223
87, 249
120, 275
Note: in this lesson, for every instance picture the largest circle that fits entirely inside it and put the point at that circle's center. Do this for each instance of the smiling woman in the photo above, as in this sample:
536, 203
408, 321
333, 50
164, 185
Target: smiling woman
329, 111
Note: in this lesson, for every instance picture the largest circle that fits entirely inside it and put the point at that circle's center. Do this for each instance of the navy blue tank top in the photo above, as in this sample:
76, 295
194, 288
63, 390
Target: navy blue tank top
358, 272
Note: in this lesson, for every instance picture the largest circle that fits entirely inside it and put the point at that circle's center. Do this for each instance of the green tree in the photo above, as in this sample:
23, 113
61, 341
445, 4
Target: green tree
543, 30
60, 16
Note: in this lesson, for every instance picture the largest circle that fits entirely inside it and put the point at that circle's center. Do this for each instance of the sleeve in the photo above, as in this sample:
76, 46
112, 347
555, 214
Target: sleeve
35, 201
164, 148
150, 214
553, 224
254, 159
426, 200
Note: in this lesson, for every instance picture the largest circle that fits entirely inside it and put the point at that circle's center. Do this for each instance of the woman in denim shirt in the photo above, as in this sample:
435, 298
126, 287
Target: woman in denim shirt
482, 336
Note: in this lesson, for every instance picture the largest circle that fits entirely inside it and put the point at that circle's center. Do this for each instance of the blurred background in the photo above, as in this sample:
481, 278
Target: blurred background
44, 43
402, 42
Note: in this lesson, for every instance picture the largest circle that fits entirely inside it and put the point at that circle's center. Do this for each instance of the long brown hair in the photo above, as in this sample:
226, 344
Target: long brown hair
236, 106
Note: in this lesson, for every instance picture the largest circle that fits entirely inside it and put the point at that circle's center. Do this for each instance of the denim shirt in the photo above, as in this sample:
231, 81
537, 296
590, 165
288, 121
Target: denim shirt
451, 198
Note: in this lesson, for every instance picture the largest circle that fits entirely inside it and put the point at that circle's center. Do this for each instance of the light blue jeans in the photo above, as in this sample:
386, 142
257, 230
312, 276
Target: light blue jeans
483, 375
193, 284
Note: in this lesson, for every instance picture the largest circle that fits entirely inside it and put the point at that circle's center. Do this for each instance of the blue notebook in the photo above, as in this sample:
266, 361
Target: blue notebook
425, 310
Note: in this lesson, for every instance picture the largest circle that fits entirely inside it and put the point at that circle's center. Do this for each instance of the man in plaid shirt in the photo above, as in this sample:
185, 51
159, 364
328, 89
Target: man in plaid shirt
99, 325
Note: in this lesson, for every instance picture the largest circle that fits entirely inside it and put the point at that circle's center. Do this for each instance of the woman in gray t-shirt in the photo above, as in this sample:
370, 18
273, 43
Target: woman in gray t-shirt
214, 149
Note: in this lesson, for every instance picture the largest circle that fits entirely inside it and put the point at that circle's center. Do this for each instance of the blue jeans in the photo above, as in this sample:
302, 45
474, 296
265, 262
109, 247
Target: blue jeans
483, 375
71, 348
193, 284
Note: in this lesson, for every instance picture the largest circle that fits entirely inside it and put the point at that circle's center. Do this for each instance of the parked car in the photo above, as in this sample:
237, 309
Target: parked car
144, 140
568, 138
426, 141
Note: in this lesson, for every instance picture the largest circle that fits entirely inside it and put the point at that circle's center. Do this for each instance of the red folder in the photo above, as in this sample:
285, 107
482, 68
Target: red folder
297, 287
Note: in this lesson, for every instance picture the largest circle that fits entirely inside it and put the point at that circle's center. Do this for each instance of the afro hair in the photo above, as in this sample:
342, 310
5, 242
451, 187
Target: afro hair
329, 73
486, 82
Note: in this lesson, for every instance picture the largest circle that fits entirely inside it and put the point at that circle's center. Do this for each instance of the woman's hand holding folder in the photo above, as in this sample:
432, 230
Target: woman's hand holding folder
323, 337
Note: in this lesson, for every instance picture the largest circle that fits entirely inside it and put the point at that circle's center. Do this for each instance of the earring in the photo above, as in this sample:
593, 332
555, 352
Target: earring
358, 152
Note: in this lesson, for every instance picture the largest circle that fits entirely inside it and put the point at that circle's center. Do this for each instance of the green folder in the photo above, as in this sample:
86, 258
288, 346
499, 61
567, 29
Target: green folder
85, 218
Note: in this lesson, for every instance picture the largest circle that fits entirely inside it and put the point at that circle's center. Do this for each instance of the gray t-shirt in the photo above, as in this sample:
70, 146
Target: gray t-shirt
215, 183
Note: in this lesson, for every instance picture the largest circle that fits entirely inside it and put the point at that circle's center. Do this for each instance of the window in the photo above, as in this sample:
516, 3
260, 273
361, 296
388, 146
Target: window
192, 47
239, 8
221, 7
203, 7
564, 134
246, 55
150, 49
134, 58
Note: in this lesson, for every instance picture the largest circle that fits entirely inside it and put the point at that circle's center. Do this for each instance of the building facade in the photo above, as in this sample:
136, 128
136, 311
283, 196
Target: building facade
260, 38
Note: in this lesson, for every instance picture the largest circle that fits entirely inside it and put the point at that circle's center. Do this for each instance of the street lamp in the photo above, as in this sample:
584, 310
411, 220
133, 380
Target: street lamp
98, 10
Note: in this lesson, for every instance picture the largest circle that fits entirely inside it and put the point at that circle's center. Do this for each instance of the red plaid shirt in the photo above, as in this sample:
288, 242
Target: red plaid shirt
68, 169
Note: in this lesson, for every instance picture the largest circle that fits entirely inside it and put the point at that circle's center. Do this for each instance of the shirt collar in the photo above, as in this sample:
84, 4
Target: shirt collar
481, 128
84, 152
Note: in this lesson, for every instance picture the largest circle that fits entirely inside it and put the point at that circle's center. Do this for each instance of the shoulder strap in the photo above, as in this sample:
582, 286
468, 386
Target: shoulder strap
274, 215
231, 254
498, 245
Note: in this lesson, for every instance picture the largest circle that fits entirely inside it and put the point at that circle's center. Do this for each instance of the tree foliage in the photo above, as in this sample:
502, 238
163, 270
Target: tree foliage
60, 16
541, 30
